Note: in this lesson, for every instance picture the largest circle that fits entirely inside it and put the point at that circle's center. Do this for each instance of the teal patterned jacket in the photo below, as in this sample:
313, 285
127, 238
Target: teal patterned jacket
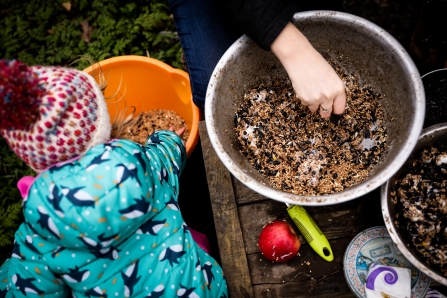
108, 225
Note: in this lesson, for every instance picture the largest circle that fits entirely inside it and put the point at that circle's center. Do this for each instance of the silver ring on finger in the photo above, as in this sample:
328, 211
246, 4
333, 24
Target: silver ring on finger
324, 110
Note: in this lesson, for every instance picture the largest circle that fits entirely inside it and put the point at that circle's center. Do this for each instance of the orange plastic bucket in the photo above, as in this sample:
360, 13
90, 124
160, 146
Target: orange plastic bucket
148, 84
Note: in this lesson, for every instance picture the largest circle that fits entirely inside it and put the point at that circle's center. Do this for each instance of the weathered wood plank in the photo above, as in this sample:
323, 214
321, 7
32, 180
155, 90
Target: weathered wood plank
226, 219
297, 279
265, 272
238, 230
336, 221
330, 287
244, 194
294, 278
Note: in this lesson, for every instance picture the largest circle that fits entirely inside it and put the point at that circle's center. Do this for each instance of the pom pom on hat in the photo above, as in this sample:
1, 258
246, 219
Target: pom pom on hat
20, 95
50, 114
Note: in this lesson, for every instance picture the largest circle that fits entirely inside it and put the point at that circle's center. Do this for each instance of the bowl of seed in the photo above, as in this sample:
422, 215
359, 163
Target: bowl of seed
414, 204
275, 146
145, 95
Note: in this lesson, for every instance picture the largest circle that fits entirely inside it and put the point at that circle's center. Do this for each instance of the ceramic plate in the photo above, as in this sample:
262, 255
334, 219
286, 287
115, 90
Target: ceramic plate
374, 245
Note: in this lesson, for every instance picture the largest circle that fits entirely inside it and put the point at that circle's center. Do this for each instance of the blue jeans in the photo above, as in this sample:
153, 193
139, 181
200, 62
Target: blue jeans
205, 35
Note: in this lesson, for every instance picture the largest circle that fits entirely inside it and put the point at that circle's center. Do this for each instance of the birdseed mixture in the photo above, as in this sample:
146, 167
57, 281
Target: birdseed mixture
302, 153
152, 121
421, 198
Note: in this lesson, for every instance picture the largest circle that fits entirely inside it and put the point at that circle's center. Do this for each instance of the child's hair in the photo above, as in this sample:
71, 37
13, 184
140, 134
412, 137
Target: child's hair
124, 118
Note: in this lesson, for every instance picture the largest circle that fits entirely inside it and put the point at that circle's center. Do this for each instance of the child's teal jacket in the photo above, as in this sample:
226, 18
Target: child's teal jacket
108, 225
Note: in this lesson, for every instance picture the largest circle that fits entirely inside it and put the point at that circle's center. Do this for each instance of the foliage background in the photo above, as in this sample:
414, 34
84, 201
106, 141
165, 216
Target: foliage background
48, 32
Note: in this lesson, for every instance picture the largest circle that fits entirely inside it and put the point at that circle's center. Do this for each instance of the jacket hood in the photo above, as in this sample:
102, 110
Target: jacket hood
94, 202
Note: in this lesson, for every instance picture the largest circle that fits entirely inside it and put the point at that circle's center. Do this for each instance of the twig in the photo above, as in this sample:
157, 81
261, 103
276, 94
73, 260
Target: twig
311, 277
313, 283
26, 49
325, 276
301, 273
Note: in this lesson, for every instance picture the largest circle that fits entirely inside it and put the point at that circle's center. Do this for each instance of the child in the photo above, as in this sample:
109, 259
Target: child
101, 219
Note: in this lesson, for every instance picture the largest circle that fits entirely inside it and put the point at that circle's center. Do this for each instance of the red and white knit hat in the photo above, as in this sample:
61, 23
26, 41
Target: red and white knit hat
50, 114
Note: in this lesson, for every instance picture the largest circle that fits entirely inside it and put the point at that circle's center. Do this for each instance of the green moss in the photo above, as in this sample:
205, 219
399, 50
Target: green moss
44, 32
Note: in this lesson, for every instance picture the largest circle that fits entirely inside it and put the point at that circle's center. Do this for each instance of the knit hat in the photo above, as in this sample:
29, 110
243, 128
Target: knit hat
50, 114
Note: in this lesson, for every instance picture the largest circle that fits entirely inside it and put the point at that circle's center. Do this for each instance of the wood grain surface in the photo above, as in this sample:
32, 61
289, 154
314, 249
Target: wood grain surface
239, 216
226, 220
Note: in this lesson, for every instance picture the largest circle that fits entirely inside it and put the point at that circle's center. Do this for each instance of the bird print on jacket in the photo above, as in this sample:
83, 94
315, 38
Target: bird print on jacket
108, 224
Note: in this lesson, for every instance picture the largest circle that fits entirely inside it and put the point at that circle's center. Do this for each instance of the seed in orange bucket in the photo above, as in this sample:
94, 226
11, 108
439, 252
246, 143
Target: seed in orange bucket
152, 121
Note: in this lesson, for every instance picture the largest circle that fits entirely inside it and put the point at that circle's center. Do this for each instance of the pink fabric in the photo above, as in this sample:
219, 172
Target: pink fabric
24, 185
201, 240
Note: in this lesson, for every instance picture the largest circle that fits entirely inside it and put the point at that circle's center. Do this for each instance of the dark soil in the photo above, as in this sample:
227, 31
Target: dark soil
419, 25
435, 85
397, 17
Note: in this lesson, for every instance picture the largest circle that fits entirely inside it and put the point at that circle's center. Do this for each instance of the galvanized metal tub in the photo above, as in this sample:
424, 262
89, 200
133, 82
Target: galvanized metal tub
372, 53
430, 136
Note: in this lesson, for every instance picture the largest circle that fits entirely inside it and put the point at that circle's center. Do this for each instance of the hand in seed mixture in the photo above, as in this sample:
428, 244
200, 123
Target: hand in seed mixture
301, 153
315, 82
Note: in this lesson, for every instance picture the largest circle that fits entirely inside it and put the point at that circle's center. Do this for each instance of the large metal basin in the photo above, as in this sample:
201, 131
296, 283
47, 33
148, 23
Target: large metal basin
372, 53
431, 136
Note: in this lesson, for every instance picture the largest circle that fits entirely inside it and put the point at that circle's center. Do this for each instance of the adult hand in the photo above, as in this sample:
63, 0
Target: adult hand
315, 82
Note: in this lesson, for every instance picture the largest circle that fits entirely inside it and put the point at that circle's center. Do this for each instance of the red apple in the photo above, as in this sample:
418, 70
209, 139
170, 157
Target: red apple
278, 241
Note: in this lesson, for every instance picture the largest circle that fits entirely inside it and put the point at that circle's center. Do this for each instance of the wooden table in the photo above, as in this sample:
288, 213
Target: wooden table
239, 215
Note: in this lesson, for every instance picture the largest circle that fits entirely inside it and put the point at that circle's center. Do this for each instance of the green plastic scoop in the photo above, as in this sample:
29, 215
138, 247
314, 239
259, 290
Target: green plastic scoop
310, 231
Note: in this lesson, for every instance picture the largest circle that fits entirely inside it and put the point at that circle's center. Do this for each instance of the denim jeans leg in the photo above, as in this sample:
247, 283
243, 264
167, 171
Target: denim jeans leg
205, 35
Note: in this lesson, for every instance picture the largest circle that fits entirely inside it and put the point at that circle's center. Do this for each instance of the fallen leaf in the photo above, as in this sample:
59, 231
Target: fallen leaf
50, 31
86, 31
67, 6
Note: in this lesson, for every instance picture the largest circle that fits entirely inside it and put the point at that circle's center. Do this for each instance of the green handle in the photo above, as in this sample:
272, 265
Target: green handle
311, 232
